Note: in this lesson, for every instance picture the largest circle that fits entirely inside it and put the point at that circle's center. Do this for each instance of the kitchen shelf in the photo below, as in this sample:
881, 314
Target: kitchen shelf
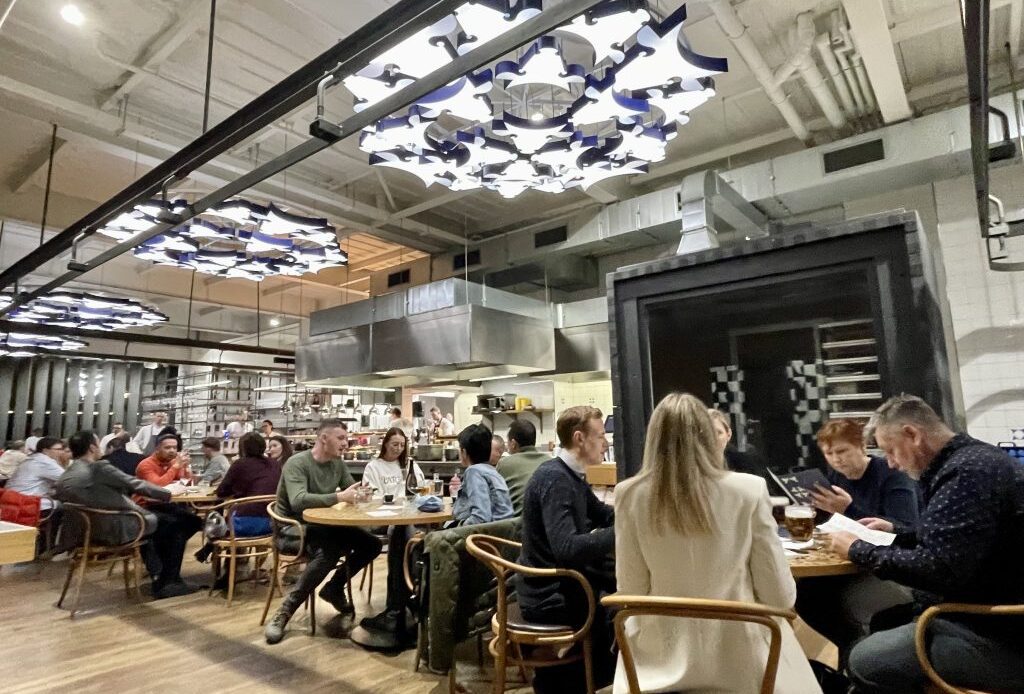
509, 412
855, 414
852, 378
839, 397
844, 323
842, 344
845, 361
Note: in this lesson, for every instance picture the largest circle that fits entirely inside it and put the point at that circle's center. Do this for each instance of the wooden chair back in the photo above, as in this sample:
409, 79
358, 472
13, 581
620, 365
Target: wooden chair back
921, 635
691, 608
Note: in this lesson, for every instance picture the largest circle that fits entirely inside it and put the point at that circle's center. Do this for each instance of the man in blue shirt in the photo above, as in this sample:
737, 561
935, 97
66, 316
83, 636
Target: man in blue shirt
968, 547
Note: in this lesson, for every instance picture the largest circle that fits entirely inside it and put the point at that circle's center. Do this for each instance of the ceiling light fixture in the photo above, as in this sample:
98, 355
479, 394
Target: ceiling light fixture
72, 15
21, 345
261, 241
85, 311
623, 109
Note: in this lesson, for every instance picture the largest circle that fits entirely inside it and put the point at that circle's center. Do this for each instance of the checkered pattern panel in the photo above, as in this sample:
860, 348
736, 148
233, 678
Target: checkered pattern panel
810, 403
727, 394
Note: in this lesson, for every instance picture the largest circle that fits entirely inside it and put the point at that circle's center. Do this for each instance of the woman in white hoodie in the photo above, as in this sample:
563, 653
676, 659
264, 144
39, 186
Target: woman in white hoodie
386, 473
686, 527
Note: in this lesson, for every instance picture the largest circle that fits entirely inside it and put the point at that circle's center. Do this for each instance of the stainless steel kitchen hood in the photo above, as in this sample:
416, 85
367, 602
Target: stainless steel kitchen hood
442, 331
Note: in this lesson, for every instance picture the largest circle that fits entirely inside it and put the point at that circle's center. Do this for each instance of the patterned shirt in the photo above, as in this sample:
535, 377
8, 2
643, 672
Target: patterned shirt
969, 544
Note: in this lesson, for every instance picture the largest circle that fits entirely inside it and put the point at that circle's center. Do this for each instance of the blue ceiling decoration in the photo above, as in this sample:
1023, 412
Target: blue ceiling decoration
257, 241
538, 120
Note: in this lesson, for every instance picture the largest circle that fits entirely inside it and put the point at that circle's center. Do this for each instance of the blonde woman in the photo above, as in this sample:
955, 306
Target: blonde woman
686, 527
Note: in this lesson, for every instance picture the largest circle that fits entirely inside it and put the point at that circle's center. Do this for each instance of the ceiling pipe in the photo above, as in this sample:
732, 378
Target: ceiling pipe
738, 34
5, 9
824, 45
802, 60
840, 50
847, 46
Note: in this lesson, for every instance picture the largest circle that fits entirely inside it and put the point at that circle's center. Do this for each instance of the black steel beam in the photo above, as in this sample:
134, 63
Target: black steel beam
141, 338
976, 25
485, 54
351, 54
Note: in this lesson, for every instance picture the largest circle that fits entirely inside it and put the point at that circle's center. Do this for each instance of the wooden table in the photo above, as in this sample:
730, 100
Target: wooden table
201, 497
17, 543
346, 514
821, 562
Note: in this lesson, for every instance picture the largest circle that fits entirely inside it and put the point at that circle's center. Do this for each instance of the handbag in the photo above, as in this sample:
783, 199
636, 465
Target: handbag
215, 526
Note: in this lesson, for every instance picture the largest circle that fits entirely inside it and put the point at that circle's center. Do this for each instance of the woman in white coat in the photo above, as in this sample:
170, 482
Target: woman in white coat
685, 527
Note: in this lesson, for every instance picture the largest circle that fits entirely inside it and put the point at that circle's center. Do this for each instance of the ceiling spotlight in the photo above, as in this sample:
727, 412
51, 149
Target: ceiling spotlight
537, 116
274, 322
72, 15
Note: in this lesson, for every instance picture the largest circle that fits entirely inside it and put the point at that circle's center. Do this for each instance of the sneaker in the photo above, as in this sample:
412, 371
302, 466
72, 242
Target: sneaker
202, 554
386, 621
274, 631
338, 598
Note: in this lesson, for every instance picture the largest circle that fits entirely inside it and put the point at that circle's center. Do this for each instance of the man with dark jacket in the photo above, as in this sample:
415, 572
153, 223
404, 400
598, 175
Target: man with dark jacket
96, 483
968, 547
565, 526
118, 455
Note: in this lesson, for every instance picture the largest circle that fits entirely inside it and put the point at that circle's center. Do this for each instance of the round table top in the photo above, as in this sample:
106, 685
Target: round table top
376, 513
821, 562
198, 497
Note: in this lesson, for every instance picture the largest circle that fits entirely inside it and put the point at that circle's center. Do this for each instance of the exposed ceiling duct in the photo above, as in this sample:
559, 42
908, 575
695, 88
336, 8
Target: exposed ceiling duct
442, 331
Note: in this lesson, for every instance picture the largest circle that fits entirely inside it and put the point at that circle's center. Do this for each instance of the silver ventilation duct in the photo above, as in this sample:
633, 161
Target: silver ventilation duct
442, 331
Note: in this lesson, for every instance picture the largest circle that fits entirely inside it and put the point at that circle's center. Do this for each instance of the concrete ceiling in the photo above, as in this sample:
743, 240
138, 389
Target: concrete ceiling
126, 90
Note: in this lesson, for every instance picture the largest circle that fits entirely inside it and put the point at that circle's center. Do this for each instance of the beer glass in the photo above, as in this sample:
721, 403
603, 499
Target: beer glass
779, 504
800, 522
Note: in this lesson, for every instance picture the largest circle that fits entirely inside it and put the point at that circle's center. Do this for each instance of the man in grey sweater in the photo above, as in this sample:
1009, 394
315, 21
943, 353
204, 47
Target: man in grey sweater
314, 479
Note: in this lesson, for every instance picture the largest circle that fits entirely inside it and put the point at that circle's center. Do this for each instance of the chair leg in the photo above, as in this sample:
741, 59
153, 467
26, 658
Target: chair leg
110, 571
72, 565
274, 582
127, 582
232, 561
500, 654
137, 565
312, 613
215, 567
78, 585
362, 581
369, 594
588, 664
520, 662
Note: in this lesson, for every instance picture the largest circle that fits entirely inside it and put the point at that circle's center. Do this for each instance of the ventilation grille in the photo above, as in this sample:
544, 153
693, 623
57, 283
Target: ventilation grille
550, 237
464, 260
397, 278
848, 157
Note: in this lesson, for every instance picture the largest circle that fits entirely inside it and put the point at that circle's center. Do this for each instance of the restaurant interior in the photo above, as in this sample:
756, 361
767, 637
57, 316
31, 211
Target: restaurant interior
298, 297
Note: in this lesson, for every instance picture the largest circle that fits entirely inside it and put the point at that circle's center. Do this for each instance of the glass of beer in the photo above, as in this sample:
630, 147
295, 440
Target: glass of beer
425, 488
800, 522
779, 504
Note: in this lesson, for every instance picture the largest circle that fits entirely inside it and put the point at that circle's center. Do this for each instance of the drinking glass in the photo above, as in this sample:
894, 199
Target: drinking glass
438, 487
800, 522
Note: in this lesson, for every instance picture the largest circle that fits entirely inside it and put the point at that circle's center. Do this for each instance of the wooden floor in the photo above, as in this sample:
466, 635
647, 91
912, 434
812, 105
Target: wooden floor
195, 644
192, 644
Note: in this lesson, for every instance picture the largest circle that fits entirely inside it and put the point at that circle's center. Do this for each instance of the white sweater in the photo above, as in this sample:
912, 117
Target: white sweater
741, 559
380, 472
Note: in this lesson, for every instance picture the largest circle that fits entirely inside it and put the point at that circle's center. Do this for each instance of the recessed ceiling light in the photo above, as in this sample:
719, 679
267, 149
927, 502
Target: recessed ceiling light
274, 322
72, 15
537, 116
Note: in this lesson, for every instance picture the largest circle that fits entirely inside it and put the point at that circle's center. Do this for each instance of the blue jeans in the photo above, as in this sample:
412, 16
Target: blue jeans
885, 662
251, 526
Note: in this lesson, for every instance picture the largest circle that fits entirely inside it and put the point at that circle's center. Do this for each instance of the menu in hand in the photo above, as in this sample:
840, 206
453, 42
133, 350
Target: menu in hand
838, 522
799, 485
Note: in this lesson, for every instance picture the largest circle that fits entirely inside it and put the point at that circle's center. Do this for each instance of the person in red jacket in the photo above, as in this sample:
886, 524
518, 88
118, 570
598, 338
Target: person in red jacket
176, 524
166, 465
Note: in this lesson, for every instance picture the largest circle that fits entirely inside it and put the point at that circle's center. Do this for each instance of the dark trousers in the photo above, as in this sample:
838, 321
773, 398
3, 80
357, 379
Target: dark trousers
571, 678
175, 525
398, 592
325, 547
840, 608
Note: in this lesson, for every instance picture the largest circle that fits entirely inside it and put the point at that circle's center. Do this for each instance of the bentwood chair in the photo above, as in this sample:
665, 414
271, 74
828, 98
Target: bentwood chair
921, 635
512, 632
90, 553
232, 548
693, 608
284, 557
